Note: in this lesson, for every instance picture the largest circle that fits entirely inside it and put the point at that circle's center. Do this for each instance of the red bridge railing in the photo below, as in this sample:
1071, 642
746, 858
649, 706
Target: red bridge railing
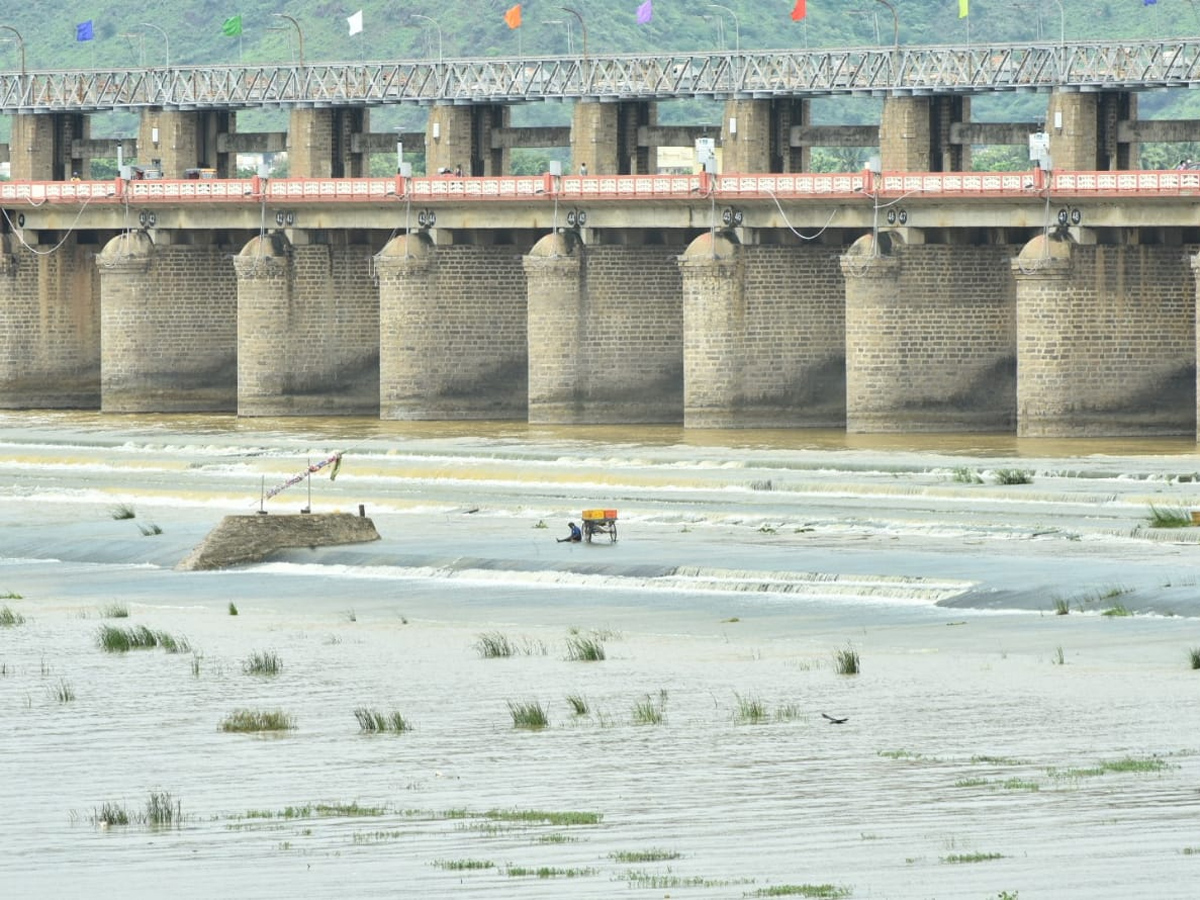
617, 188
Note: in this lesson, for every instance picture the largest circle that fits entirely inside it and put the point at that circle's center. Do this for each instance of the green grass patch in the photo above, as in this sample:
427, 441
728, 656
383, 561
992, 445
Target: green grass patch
63, 692
114, 611
822, 891
898, 754
967, 475
846, 661
351, 810
971, 857
972, 783
750, 711
544, 817
113, 639
1119, 610
546, 872
1168, 517
530, 714
372, 721
578, 704
246, 720
10, 618
584, 648
651, 710
162, 810
1020, 784
110, 814
1013, 476
233, 610
997, 761
497, 645
654, 854
464, 865
1062, 606
263, 663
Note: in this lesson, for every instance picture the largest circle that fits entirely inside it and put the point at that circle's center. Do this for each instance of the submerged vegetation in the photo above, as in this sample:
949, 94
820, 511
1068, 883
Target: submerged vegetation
248, 720
112, 639
585, 648
264, 662
497, 645
847, 662
1168, 517
372, 721
651, 710
10, 618
530, 714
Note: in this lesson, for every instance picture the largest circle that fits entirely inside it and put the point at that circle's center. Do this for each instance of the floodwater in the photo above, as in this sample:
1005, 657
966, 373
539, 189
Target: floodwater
991, 746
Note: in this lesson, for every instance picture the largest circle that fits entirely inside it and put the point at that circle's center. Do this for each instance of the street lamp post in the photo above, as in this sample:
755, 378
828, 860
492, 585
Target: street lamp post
299, 33
737, 33
435, 25
20, 44
582, 26
166, 39
895, 22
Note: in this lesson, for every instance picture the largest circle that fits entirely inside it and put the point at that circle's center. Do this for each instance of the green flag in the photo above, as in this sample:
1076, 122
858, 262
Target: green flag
232, 26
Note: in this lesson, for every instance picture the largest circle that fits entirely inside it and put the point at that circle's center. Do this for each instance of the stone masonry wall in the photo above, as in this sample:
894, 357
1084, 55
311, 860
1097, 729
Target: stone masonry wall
50, 328
169, 332
1110, 349
931, 340
453, 336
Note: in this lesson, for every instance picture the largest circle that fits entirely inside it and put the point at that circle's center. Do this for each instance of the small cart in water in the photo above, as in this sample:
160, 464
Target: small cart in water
600, 521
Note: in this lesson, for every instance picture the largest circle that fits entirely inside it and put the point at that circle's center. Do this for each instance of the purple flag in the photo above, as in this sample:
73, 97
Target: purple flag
645, 12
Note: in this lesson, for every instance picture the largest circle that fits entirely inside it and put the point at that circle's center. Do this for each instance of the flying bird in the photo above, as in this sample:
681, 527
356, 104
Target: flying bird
836, 721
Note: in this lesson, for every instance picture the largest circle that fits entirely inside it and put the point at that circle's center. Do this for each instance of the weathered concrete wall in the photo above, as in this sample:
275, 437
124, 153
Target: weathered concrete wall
308, 331
1106, 341
239, 540
930, 338
610, 329
49, 326
452, 326
168, 324
321, 143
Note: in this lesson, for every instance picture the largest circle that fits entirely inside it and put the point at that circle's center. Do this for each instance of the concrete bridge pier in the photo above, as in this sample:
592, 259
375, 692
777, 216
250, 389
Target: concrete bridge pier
452, 331
756, 136
461, 136
168, 327
604, 136
326, 142
181, 140
930, 337
714, 313
558, 373
1106, 340
40, 146
49, 326
915, 134
308, 329
1084, 130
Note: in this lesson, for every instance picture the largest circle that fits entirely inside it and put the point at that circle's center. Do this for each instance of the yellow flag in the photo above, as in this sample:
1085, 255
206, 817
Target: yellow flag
963, 11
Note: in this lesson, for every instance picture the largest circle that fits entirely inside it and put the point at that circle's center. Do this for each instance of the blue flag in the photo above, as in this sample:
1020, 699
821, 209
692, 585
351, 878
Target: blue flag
83, 31
1149, 2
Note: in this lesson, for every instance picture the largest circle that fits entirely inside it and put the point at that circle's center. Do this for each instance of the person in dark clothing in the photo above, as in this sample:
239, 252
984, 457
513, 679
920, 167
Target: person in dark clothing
574, 537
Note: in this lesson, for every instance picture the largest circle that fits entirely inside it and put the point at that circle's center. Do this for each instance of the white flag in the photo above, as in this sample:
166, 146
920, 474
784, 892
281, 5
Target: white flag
355, 22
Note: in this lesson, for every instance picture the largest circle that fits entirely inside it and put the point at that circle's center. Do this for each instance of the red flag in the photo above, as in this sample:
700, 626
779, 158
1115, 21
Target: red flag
799, 11
512, 18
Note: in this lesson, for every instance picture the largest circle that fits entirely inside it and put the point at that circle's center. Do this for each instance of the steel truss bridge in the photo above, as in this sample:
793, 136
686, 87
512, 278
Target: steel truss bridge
869, 71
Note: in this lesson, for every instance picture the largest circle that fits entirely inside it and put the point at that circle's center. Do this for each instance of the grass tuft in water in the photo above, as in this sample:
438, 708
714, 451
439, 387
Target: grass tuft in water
847, 662
1062, 606
750, 711
971, 857
233, 610
821, 891
966, 475
1013, 476
1194, 657
110, 814
112, 639
578, 704
653, 854
530, 714
246, 720
464, 865
162, 810
149, 529
1059, 658
1168, 517
114, 611
372, 721
650, 710
122, 511
9, 618
1118, 610
497, 645
265, 662
582, 648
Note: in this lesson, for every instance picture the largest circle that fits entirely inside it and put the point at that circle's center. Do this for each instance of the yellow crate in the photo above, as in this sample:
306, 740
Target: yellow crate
592, 514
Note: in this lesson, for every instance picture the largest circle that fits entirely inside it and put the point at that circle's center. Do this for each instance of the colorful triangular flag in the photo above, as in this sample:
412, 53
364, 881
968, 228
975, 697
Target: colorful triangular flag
512, 17
799, 11
645, 12
83, 31
963, 10
232, 26
355, 22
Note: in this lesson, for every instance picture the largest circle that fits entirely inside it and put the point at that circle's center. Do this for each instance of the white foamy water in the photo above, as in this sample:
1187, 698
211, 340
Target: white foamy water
990, 744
